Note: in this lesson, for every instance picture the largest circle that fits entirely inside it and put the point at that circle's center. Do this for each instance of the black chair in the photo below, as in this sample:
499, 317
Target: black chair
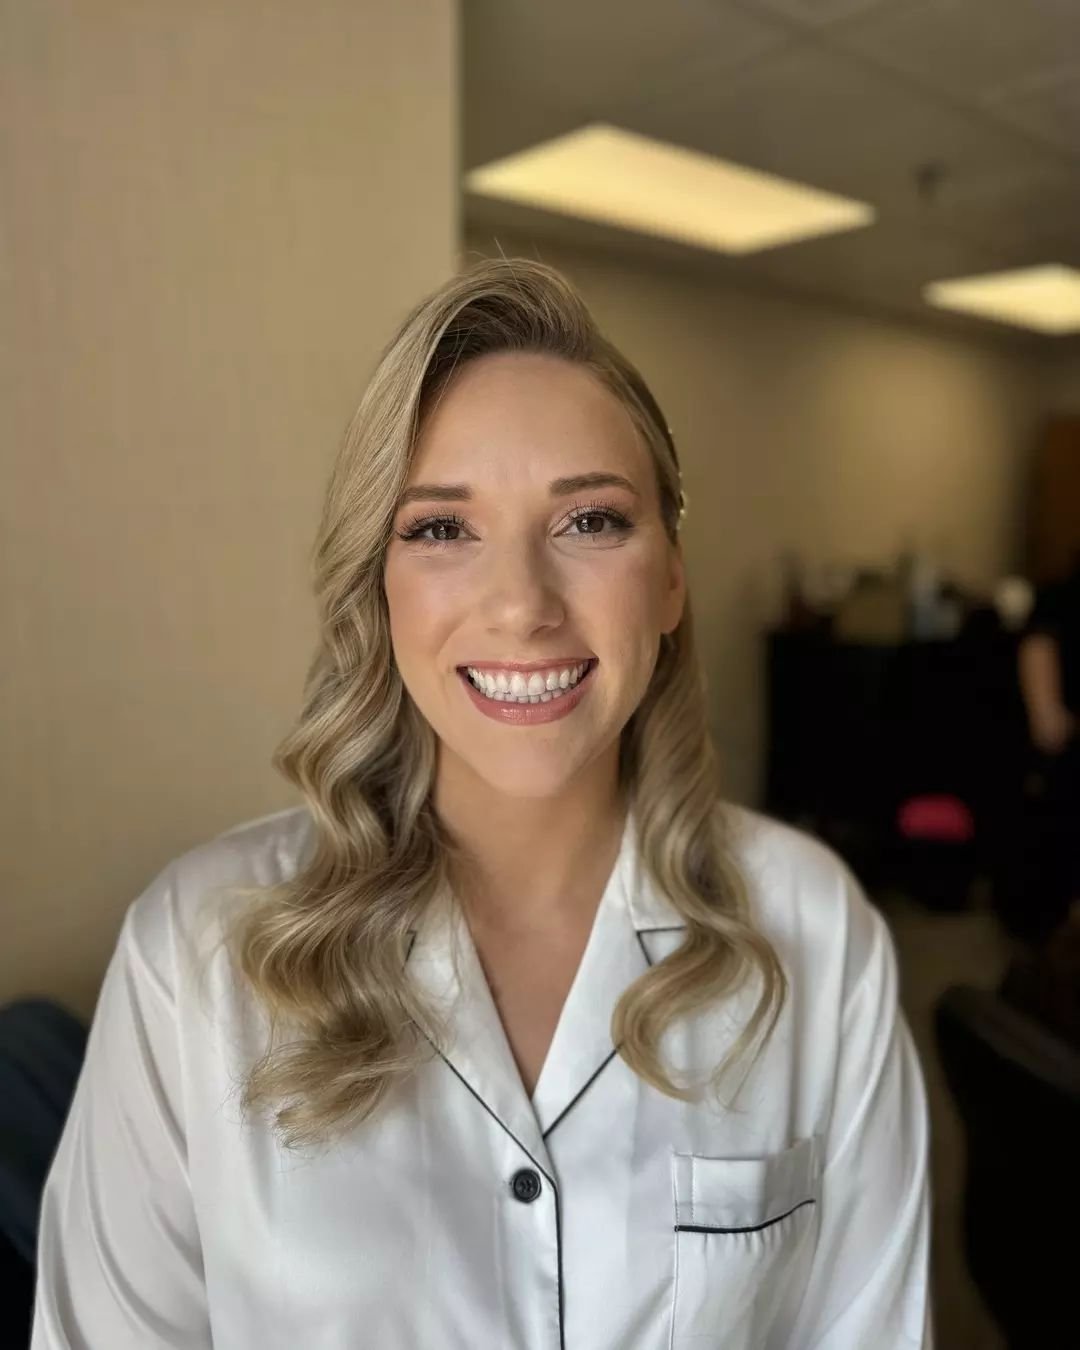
1017, 1088
41, 1052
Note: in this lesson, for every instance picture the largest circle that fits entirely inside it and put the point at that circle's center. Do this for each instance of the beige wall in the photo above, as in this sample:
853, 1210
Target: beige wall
215, 213
800, 425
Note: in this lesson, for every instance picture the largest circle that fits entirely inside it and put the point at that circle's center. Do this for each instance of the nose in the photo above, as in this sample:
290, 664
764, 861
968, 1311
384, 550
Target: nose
524, 589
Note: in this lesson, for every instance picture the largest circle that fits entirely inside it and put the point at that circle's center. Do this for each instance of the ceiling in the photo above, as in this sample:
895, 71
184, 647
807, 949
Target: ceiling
959, 120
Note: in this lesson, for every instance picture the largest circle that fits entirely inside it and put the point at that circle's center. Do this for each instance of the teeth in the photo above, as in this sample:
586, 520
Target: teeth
517, 687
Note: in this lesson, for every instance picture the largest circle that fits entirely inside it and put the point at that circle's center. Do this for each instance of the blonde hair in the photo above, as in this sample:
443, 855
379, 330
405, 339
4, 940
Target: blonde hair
324, 951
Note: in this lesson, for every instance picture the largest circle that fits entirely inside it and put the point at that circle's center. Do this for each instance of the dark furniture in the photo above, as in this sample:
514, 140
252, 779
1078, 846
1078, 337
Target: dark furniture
1017, 1088
41, 1052
856, 729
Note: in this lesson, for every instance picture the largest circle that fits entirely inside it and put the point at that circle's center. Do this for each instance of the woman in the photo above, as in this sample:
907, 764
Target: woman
515, 1034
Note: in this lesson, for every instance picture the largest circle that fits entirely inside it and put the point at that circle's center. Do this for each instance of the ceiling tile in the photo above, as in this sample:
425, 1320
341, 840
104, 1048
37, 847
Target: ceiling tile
575, 62
968, 48
818, 13
812, 114
1048, 107
1033, 213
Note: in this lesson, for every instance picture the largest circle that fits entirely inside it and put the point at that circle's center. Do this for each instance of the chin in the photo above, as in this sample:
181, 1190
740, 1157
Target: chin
523, 776
518, 779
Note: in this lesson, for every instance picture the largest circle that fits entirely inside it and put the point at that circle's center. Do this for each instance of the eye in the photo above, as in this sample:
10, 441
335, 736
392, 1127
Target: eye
598, 511
417, 528
618, 524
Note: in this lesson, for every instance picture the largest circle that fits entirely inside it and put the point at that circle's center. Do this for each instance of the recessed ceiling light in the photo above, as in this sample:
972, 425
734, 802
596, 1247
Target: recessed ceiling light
616, 177
1046, 299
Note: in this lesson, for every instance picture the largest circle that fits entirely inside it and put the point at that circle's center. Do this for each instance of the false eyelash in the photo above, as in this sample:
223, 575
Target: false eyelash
412, 532
418, 526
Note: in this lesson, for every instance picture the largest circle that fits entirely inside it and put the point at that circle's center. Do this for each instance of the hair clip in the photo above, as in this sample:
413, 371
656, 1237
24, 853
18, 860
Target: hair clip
683, 498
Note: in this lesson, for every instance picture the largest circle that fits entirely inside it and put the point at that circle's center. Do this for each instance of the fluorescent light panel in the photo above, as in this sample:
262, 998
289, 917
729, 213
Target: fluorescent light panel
616, 177
1046, 298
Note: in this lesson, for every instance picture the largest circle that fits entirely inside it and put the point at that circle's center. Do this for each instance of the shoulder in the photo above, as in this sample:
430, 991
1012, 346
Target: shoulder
809, 903
181, 912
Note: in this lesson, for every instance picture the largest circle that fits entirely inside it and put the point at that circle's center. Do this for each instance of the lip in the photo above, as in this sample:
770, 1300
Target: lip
528, 714
555, 663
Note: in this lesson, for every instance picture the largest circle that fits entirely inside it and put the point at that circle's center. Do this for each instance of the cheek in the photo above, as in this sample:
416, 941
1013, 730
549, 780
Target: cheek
622, 614
419, 606
629, 596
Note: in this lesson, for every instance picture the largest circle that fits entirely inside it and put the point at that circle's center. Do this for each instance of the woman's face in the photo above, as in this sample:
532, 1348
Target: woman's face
513, 566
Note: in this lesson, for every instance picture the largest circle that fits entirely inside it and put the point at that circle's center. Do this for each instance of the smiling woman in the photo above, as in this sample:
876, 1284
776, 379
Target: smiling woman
495, 975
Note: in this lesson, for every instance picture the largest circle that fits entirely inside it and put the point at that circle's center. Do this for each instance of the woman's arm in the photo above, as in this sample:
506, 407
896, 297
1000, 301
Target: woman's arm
869, 1284
1049, 721
119, 1261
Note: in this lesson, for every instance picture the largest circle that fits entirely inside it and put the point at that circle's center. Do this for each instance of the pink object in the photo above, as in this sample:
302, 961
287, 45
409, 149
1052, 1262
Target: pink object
936, 817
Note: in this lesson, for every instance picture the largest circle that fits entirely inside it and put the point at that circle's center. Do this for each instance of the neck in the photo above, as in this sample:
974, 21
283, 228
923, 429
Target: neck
534, 864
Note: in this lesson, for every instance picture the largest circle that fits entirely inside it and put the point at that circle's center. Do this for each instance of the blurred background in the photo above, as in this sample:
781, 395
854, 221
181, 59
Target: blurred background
840, 238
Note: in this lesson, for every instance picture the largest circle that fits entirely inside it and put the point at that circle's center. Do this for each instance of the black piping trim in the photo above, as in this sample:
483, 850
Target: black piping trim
581, 1092
558, 1251
502, 1125
543, 1170
598, 1071
754, 1228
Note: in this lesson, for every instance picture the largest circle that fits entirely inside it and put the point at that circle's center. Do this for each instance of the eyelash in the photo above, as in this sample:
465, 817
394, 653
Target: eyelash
416, 528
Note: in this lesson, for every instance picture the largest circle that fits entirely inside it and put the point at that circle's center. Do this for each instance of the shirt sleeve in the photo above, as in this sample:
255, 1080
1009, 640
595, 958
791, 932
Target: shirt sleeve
119, 1260
869, 1281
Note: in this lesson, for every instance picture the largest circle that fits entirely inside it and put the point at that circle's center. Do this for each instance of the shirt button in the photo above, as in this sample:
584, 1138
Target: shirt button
526, 1185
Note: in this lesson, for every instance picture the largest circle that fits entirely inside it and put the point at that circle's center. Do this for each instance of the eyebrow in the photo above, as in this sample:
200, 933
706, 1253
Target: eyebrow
558, 487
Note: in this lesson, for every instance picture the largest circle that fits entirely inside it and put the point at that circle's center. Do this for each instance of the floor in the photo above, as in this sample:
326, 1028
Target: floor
934, 951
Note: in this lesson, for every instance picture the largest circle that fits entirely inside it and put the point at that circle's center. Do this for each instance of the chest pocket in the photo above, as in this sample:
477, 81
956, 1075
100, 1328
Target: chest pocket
742, 1229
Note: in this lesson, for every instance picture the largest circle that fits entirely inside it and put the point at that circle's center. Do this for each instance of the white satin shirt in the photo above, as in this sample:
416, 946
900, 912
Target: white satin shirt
599, 1214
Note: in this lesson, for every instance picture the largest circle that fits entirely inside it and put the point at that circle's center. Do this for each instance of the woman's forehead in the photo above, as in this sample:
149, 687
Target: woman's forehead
523, 410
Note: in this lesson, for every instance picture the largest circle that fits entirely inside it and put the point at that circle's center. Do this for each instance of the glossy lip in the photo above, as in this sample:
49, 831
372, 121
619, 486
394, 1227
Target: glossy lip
556, 663
529, 714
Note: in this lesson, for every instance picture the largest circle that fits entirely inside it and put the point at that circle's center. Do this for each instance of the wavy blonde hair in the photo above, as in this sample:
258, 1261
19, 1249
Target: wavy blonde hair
324, 951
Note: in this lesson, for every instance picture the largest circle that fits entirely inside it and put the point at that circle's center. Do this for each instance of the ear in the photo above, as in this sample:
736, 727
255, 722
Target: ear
674, 600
